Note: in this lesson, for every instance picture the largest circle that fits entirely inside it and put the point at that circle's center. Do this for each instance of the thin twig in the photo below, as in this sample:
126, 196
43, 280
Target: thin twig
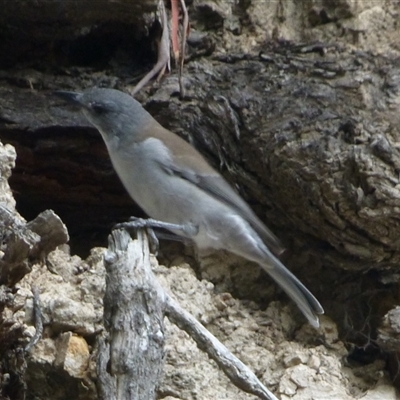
239, 374
163, 57
37, 315
175, 28
185, 29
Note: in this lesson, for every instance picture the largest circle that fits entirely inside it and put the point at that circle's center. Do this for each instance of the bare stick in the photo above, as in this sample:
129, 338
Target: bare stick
174, 28
185, 28
37, 314
239, 374
163, 57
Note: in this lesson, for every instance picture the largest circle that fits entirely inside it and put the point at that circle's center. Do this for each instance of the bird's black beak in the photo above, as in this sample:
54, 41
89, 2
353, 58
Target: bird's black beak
70, 97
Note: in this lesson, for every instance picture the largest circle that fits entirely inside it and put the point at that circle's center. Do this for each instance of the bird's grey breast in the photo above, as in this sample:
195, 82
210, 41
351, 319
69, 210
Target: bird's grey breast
138, 164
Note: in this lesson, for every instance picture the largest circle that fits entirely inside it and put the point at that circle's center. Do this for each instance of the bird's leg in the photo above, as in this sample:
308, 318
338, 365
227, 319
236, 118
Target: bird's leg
171, 236
187, 230
166, 236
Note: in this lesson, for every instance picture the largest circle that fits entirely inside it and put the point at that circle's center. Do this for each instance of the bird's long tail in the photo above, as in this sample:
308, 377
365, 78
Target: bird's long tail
304, 299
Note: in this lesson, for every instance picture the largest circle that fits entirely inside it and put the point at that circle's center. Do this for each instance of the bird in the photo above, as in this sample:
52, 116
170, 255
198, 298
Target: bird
177, 188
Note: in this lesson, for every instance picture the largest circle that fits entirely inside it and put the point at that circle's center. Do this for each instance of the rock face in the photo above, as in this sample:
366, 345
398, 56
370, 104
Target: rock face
295, 102
289, 359
7, 163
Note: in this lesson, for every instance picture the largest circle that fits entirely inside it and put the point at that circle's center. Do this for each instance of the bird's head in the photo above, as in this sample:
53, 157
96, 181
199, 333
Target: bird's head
111, 111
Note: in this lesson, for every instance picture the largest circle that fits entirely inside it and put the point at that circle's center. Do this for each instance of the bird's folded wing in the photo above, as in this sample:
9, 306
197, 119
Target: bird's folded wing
213, 184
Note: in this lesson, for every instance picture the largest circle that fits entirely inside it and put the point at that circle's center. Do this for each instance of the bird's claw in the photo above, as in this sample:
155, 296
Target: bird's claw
154, 243
132, 223
138, 223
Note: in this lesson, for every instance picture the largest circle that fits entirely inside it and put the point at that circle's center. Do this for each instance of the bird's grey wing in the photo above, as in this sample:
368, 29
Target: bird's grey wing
215, 185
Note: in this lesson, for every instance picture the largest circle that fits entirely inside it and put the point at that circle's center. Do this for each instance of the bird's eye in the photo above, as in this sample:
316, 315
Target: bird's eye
99, 108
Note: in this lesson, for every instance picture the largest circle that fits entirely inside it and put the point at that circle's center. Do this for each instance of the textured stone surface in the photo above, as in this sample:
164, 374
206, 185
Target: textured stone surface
287, 358
7, 163
70, 300
73, 355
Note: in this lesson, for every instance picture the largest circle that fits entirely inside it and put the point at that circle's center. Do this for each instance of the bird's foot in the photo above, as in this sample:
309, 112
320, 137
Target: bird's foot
137, 223
187, 231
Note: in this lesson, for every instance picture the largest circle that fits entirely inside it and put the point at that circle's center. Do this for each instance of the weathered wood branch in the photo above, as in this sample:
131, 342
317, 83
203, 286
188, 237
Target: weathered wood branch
239, 374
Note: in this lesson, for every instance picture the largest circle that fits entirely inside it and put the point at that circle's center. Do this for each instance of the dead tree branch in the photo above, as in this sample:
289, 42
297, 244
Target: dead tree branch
239, 374
133, 317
